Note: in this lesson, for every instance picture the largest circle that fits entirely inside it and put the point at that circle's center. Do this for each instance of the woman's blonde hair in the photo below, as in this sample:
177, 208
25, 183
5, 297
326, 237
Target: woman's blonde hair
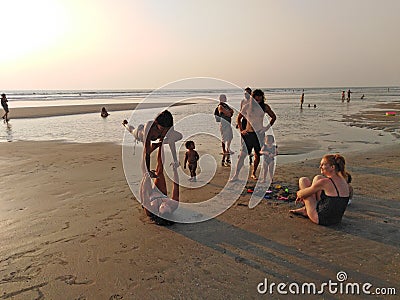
339, 162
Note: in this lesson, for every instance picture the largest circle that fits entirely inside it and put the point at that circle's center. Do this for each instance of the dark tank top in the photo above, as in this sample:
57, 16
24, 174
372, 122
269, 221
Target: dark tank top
330, 209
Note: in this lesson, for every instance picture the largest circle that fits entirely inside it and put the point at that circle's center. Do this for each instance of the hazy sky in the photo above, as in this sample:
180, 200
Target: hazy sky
113, 44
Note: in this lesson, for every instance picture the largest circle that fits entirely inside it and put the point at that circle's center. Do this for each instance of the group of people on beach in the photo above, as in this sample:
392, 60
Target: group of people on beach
250, 122
349, 92
325, 198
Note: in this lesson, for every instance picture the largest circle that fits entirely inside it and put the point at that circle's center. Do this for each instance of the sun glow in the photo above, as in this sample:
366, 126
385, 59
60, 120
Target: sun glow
30, 27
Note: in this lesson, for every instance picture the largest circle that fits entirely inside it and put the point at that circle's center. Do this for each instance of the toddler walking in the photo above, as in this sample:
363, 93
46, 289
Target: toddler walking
191, 157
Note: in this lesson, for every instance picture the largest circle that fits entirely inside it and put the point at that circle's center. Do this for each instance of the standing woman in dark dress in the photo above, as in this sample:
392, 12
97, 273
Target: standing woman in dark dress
326, 197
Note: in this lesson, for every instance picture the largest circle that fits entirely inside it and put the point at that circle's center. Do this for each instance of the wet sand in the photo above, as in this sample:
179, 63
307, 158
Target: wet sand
71, 229
376, 118
62, 110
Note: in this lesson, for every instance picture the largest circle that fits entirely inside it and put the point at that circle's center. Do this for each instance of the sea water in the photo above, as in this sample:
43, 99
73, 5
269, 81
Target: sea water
315, 130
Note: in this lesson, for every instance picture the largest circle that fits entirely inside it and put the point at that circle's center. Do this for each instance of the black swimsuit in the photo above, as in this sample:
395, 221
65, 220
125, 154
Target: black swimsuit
330, 209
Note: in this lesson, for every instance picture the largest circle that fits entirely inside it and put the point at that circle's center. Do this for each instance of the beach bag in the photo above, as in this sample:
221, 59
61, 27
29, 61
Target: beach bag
216, 115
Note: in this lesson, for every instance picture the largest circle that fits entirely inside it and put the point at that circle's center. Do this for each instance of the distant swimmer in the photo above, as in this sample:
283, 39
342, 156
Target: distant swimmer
348, 95
104, 113
302, 100
343, 95
362, 97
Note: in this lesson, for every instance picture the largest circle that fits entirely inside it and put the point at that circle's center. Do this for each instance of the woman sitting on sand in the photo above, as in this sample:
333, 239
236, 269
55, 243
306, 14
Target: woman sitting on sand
326, 197
154, 199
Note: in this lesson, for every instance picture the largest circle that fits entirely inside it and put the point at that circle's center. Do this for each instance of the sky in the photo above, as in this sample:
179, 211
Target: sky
132, 44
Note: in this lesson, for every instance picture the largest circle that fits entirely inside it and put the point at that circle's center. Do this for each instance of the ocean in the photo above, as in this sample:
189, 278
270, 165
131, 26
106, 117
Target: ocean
321, 128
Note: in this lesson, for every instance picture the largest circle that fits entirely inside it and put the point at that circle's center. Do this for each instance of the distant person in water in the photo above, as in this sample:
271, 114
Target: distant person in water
343, 96
362, 97
104, 112
302, 100
4, 104
348, 95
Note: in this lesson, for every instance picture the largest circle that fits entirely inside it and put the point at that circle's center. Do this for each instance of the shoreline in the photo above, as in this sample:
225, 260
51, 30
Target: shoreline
289, 150
62, 110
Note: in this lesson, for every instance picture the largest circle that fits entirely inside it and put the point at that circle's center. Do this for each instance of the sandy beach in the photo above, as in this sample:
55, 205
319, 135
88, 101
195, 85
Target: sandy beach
319, 77
72, 229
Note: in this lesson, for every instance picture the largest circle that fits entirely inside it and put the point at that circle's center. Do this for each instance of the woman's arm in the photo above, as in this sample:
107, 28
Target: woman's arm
270, 113
147, 145
239, 121
226, 111
145, 188
173, 152
313, 189
264, 150
175, 185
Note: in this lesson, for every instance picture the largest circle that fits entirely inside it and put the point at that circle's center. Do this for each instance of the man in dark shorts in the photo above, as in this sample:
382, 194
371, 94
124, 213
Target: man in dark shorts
253, 134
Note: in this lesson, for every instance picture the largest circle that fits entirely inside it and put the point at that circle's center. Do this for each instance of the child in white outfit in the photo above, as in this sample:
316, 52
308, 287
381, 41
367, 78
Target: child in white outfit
269, 150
